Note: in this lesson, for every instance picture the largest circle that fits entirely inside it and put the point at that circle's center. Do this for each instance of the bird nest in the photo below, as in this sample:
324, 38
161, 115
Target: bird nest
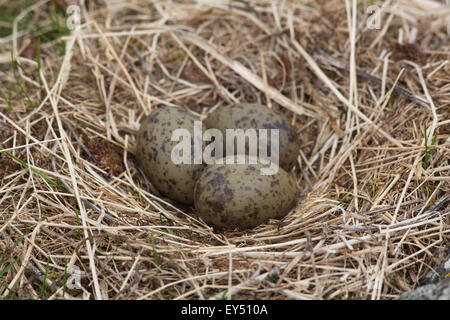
365, 84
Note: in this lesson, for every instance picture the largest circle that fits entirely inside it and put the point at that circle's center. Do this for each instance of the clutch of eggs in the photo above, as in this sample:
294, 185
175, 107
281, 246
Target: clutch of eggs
226, 196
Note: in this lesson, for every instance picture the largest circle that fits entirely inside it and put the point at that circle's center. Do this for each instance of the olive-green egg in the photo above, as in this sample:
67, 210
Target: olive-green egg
230, 196
255, 116
154, 150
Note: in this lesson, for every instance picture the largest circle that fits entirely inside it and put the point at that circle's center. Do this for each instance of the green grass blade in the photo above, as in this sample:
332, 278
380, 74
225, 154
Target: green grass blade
8, 267
50, 180
45, 279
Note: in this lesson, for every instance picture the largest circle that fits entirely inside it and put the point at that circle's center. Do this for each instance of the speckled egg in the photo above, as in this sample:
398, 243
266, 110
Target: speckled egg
255, 116
230, 196
154, 150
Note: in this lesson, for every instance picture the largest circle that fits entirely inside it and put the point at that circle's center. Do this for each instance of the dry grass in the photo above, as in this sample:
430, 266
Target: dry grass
373, 216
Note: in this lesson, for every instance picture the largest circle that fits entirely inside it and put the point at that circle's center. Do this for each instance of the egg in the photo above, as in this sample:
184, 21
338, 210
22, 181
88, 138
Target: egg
255, 116
230, 196
154, 153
